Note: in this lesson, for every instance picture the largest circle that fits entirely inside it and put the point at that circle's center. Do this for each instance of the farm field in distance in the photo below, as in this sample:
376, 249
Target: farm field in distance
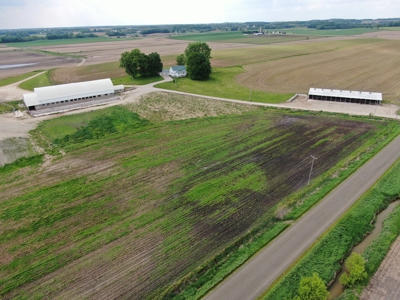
134, 205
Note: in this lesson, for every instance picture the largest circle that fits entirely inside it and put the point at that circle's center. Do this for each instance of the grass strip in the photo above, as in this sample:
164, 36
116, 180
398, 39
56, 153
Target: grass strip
21, 163
222, 84
38, 81
324, 257
14, 79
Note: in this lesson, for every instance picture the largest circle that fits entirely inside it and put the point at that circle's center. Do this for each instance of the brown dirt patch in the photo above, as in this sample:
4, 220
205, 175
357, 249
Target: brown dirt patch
39, 61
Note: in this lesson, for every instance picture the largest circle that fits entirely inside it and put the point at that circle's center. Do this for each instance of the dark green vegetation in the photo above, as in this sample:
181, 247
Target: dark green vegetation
325, 257
9, 106
10, 80
143, 205
197, 57
137, 63
312, 288
38, 81
375, 253
222, 84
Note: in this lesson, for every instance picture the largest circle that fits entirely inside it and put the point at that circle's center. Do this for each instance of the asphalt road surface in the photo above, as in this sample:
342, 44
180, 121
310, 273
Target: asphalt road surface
254, 277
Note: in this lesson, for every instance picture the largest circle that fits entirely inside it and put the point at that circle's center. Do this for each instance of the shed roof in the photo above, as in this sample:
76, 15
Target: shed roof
68, 91
346, 94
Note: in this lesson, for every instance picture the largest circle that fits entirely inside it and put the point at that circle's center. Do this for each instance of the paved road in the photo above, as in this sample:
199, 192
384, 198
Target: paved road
258, 273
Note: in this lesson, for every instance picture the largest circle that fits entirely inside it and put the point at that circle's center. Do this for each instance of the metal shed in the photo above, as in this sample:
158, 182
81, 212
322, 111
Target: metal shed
345, 96
64, 94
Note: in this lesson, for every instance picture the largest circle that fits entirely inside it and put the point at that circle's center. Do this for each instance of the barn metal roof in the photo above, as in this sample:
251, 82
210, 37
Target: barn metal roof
68, 91
346, 94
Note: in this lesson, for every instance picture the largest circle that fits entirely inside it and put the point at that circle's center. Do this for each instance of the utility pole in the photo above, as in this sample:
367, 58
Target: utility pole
312, 164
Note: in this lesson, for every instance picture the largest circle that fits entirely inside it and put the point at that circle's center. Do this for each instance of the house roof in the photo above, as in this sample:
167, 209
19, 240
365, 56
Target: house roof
68, 91
346, 94
178, 68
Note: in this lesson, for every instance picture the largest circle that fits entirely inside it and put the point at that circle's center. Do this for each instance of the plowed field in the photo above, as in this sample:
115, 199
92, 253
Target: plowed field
126, 215
368, 67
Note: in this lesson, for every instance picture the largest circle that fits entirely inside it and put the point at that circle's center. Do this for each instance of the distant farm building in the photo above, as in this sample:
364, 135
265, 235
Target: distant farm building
70, 94
345, 96
177, 71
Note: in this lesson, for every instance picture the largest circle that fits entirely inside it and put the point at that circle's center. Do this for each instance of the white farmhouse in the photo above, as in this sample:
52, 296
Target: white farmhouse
177, 71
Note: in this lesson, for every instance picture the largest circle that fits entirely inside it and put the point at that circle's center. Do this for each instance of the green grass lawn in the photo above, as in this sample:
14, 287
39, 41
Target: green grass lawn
10, 80
222, 84
42, 43
136, 81
38, 81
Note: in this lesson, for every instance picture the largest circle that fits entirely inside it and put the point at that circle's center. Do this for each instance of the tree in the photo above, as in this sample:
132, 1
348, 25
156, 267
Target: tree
180, 60
198, 66
155, 64
198, 47
137, 63
355, 265
131, 61
312, 288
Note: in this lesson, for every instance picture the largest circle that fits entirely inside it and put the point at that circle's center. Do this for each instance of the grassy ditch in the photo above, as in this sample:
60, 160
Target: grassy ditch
376, 252
222, 84
325, 256
38, 81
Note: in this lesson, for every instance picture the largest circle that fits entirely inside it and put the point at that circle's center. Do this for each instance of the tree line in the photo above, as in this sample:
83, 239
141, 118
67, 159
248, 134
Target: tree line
196, 58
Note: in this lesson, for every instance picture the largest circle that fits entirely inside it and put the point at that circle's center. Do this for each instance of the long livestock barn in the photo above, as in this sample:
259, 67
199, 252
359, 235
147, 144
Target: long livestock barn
345, 96
72, 93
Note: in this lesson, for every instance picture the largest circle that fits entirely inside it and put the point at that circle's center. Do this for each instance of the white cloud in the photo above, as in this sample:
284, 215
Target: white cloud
64, 13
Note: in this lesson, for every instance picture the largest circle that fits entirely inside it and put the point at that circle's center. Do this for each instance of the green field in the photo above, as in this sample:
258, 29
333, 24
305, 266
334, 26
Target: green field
44, 43
239, 37
38, 81
10, 80
337, 32
127, 80
145, 203
222, 84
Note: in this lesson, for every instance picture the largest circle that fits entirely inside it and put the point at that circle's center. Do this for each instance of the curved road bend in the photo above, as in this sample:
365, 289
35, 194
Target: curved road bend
254, 277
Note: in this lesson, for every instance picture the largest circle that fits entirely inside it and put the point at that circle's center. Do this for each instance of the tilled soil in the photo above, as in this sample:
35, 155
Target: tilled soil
385, 284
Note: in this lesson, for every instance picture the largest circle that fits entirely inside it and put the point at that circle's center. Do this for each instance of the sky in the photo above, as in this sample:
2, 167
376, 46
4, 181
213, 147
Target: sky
71, 13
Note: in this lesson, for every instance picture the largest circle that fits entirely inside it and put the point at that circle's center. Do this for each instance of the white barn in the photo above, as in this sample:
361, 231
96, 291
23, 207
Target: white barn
71, 93
177, 71
345, 96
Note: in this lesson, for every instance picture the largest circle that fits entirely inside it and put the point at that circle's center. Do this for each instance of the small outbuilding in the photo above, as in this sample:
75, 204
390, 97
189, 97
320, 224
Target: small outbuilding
345, 96
177, 71
71, 93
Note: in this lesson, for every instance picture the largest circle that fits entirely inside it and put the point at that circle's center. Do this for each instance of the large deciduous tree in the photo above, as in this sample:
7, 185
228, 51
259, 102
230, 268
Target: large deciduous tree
137, 63
180, 60
198, 47
312, 288
198, 66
